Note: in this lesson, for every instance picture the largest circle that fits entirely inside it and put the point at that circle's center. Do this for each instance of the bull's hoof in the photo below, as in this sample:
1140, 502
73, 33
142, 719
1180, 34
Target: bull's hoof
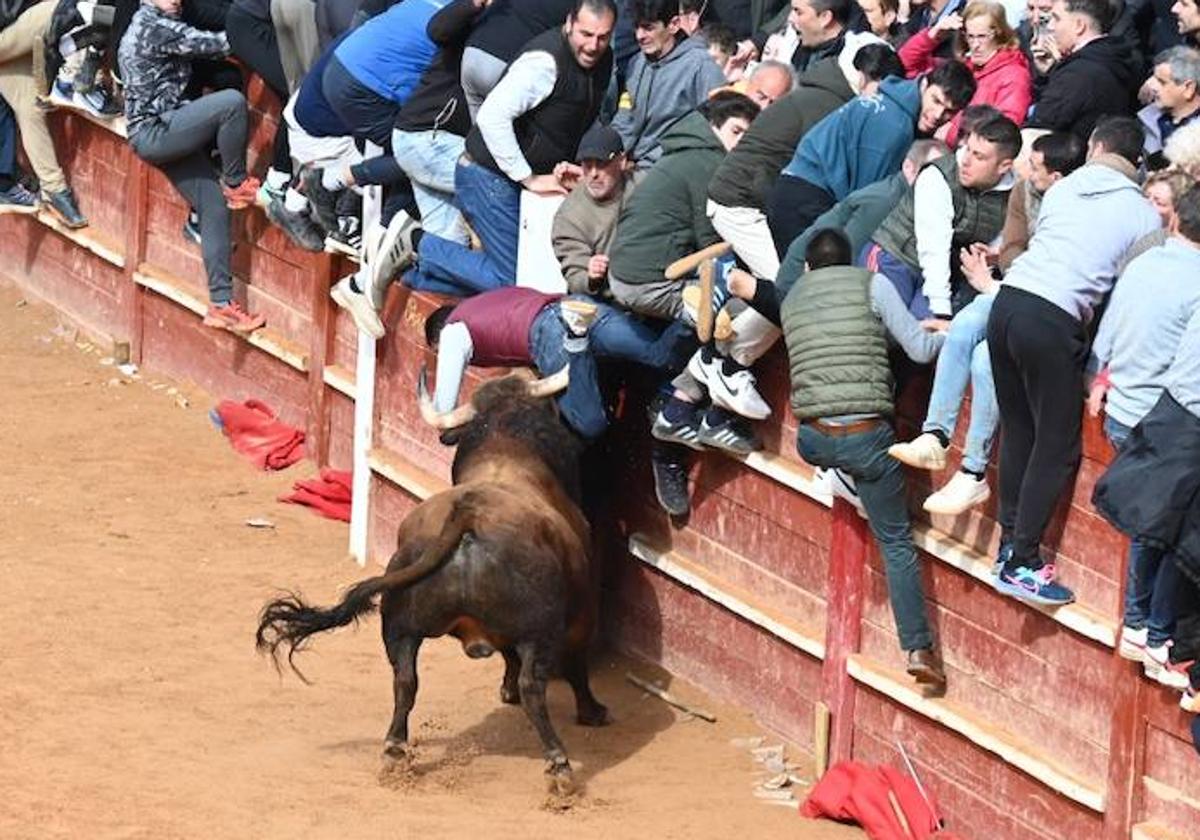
510, 695
596, 716
560, 781
396, 769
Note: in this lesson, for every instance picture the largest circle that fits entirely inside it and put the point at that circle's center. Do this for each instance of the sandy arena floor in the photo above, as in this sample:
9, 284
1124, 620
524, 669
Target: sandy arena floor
133, 704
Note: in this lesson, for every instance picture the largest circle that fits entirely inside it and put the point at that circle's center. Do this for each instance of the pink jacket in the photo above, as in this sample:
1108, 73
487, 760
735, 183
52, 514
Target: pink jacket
1004, 82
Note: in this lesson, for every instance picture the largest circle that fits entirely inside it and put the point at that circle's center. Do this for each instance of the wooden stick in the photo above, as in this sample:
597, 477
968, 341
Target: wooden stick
663, 695
820, 740
899, 812
686, 265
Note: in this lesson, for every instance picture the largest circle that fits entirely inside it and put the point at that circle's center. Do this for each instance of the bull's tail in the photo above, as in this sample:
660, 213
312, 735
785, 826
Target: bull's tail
289, 621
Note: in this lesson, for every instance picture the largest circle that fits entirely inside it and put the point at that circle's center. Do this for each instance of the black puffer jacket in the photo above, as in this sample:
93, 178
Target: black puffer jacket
1100, 79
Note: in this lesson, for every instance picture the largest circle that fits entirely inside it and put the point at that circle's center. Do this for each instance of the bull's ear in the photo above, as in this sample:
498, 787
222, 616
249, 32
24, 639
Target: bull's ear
449, 437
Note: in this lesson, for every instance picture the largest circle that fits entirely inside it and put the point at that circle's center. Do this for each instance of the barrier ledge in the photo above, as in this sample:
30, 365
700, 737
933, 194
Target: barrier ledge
1012, 749
399, 471
340, 379
1169, 793
265, 339
1154, 831
115, 125
683, 571
787, 472
1083, 620
85, 237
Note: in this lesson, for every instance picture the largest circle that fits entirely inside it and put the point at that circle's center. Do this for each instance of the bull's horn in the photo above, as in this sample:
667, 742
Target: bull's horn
452, 419
550, 385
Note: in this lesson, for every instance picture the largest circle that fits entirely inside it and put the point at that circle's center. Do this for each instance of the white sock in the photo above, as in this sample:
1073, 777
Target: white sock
294, 201
85, 10
277, 180
330, 180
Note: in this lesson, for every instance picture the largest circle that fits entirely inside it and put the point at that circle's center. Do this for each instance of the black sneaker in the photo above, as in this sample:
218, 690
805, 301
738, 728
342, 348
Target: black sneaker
298, 226
671, 485
324, 203
191, 229
64, 207
733, 435
685, 432
347, 239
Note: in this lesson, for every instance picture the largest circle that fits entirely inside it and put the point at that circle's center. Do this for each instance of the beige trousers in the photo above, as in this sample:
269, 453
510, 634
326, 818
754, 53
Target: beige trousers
296, 31
17, 87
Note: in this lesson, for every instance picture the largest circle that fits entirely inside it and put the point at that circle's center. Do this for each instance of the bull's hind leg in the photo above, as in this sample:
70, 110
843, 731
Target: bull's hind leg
510, 688
402, 653
588, 710
535, 667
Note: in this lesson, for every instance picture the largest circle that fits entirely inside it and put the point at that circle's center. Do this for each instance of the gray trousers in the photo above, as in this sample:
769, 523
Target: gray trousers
177, 142
480, 72
295, 24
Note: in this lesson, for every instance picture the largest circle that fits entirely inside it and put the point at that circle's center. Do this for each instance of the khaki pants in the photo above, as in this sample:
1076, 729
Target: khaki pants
17, 86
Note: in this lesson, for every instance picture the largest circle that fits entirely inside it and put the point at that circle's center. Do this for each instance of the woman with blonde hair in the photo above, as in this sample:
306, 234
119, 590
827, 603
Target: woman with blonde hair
987, 45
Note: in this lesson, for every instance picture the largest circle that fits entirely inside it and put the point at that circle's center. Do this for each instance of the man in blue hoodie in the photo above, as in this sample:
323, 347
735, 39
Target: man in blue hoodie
670, 77
860, 143
1037, 339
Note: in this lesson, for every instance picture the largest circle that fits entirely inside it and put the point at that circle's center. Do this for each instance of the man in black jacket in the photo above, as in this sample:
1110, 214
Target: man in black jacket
1096, 76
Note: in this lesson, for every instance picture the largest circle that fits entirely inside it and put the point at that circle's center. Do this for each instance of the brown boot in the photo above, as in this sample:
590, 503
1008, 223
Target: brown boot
925, 667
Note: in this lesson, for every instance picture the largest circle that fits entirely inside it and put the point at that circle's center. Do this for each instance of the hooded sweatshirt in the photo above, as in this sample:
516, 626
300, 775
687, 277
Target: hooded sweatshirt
861, 142
1004, 82
746, 175
1088, 221
662, 91
1098, 79
665, 218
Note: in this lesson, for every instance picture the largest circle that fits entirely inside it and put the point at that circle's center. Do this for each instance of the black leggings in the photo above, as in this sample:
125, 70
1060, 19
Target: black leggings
253, 41
1038, 353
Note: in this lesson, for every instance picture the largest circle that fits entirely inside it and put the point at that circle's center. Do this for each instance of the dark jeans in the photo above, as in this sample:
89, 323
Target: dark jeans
793, 205
581, 404
1152, 576
368, 114
1038, 353
491, 204
8, 146
253, 40
880, 480
908, 283
177, 142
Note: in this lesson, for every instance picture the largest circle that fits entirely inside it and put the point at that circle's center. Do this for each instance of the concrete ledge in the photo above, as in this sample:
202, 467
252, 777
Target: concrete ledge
798, 476
340, 379
1012, 749
682, 570
411, 479
266, 339
86, 238
1154, 831
1084, 621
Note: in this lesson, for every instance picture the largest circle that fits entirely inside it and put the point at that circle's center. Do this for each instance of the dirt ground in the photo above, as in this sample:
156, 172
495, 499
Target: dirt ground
133, 704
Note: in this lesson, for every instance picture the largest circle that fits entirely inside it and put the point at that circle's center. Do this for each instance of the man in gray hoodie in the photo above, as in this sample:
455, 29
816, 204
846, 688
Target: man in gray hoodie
1037, 339
670, 77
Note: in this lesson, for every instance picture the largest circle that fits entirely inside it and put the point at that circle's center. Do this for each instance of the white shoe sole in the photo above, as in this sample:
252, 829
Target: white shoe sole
900, 451
359, 308
934, 504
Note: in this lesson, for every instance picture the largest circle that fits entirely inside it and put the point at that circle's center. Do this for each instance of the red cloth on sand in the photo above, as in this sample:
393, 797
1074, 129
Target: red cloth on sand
857, 792
255, 432
328, 495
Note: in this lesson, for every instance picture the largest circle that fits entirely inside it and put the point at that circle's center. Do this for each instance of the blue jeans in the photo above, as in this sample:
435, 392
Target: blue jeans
8, 141
429, 159
619, 334
963, 356
581, 405
491, 204
908, 283
1152, 575
880, 479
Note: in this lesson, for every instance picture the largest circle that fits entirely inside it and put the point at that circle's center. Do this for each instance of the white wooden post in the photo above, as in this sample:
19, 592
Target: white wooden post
364, 385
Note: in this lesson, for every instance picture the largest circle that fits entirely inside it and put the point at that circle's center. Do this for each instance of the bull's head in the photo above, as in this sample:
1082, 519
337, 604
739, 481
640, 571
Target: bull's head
458, 416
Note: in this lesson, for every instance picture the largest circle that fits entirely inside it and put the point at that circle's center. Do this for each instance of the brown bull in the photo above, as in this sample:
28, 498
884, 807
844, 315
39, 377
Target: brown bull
501, 561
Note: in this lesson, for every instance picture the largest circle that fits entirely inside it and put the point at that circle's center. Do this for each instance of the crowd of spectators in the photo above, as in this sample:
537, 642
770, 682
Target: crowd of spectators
1004, 193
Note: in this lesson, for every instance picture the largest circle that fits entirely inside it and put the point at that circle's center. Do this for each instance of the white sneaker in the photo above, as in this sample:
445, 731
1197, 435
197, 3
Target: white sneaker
578, 315
962, 492
395, 254
924, 451
735, 392
841, 486
1190, 701
359, 306
1133, 643
1158, 666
